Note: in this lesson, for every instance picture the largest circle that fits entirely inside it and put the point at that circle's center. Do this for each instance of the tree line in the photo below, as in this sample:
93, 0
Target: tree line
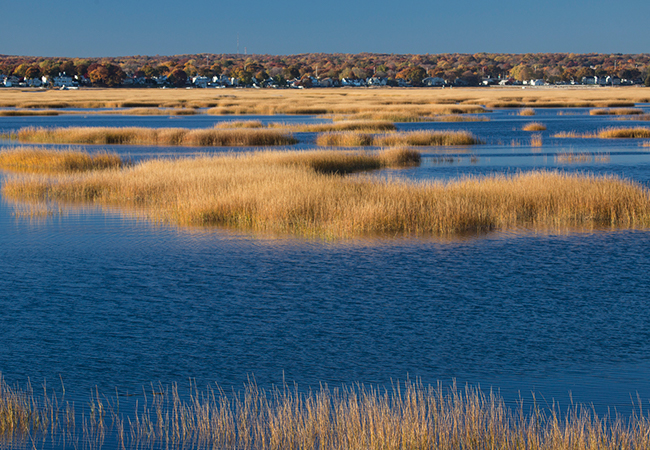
552, 67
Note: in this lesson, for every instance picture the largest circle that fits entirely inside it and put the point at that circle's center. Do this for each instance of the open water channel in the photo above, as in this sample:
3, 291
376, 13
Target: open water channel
105, 301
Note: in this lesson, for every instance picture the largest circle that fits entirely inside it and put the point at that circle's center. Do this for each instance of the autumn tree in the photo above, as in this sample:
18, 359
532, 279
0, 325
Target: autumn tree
177, 77
33, 72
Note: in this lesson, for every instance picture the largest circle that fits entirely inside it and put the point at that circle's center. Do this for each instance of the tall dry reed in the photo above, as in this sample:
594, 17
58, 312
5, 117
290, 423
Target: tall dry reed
405, 416
302, 193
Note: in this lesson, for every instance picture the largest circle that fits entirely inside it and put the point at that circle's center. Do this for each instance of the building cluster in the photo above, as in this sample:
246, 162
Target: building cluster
63, 81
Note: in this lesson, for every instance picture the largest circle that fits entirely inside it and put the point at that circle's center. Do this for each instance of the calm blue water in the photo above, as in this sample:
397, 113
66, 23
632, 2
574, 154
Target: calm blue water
98, 298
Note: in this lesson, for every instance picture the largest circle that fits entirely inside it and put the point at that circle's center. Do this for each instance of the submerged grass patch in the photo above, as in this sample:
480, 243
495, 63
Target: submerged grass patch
303, 193
414, 138
44, 160
609, 133
152, 136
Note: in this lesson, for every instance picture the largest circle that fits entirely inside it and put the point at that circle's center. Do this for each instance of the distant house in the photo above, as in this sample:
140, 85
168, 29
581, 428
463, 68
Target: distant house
537, 83
376, 81
326, 82
433, 82
34, 82
63, 80
11, 81
200, 82
489, 81
612, 81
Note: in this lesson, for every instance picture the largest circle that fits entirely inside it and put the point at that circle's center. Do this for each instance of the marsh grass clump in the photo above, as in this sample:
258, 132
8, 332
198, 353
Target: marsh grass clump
44, 160
240, 124
153, 136
305, 193
622, 132
345, 139
428, 138
414, 138
158, 112
534, 126
527, 112
22, 112
616, 112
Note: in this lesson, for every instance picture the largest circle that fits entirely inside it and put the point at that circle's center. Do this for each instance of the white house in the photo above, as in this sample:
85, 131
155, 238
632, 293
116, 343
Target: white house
201, 82
63, 80
11, 81
377, 81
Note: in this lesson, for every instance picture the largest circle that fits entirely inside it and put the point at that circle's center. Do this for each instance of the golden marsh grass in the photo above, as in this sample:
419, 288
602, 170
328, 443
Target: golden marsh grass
302, 193
527, 112
343, 125
44, 160
534, 126
414, 138
392, 104
152, 136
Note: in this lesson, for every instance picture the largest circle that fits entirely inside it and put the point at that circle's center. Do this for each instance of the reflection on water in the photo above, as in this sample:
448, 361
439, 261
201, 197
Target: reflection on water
102, 299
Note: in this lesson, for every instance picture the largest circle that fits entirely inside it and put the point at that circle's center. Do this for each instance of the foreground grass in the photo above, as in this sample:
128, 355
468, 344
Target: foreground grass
304, 193
43, 160
415, 138
153, 136
407, 416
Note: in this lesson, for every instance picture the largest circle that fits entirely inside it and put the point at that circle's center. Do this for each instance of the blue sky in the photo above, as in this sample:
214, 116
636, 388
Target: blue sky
78, 28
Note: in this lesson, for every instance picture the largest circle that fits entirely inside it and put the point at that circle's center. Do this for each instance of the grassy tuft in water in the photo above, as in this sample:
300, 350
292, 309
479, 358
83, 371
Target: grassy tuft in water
414, 138
152, 136
44, 160
534, 126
